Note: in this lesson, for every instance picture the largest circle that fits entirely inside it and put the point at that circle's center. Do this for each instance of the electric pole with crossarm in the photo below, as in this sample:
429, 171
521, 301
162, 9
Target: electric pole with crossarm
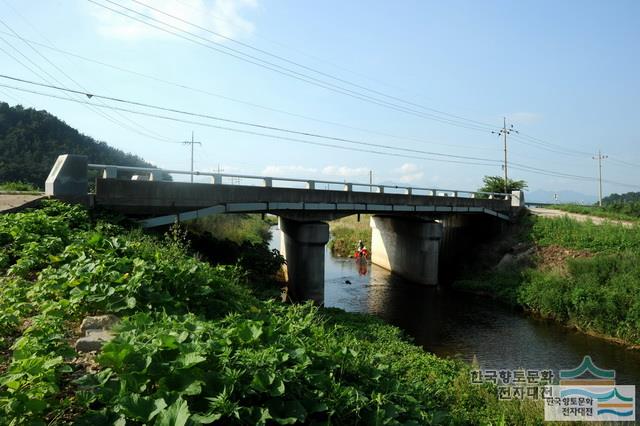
504, 132
192, 143
600, 157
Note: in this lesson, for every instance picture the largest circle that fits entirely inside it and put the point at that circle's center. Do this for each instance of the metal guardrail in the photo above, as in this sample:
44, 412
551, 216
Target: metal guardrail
111, 172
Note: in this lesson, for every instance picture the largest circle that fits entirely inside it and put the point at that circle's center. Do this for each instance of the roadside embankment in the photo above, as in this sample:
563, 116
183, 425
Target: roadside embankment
581, 274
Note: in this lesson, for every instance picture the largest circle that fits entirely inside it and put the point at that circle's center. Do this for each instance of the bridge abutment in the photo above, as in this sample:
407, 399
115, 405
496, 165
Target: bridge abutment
408, 247
302, 245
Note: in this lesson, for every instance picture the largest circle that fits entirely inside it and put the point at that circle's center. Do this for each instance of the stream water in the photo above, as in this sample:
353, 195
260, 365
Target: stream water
453, 324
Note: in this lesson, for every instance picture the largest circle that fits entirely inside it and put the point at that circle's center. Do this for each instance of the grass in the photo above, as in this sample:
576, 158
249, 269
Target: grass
346, 232
19, 187
598, 294
613, 212
196, 346
604, 238
236, 227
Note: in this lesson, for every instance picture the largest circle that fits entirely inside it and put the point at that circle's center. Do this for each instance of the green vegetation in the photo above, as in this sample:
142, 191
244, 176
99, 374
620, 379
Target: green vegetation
31, 140
17, 187
629, 197
618, 211
346, 232
591, 281
196, 346
237, 227
497, 184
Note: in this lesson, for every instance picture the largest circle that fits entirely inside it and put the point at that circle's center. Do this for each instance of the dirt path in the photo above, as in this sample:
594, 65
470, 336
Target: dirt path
579, 217
12, 202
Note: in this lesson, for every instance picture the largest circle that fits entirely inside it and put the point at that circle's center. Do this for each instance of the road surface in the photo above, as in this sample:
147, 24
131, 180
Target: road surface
579, 217
13, 201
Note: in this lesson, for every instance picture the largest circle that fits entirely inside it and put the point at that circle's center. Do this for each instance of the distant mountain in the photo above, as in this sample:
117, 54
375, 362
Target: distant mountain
31, 140
543, 196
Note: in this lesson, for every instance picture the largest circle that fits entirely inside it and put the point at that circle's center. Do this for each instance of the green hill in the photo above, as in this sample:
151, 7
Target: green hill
31, 140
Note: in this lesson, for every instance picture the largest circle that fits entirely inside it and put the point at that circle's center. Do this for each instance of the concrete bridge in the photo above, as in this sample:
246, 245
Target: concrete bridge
415, 231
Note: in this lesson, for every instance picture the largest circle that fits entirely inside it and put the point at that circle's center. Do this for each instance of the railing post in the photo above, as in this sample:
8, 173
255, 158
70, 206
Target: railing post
408, 191
455, 194
311, 184
381, 189
109, 173
473, 195
268, 182
216, 179
155, 176
348, 187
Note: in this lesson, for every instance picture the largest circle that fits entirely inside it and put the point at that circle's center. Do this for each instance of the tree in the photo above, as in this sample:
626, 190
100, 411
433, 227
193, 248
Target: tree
496, 184
30, 142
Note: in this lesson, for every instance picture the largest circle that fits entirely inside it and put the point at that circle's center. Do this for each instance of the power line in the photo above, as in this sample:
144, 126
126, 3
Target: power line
250, 132
102, 113
240, 122
504, 132
192, 143
244, 102
285, 71
298, 64
466, 122
341, 147
599, 157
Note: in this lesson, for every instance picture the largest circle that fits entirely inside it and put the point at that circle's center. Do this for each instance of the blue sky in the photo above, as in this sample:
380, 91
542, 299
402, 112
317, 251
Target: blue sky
564, 73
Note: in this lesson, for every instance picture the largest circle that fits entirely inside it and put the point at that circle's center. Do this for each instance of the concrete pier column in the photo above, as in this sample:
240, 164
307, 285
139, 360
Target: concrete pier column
408, 247
302, 244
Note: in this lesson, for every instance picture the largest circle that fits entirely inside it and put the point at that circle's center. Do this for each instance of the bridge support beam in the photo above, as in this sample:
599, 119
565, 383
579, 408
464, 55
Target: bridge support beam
302, 244
408, 247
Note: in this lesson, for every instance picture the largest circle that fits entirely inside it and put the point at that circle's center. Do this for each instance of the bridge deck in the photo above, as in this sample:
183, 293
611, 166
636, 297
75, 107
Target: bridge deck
153, 198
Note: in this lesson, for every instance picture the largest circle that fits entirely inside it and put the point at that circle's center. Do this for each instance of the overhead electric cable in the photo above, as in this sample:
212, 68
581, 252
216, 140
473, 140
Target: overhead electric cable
285, 71
244, 102
238, 122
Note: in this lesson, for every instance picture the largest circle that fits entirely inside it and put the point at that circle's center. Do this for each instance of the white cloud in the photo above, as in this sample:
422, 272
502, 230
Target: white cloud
524, 117
221, 16
288, 171
345, 172
409, 172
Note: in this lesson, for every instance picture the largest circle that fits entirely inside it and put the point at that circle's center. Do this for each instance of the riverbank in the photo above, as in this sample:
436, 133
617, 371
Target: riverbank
346, 232
580, 274
196, 344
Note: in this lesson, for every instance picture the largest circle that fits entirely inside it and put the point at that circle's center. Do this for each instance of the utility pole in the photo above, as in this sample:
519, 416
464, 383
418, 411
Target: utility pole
504, 132
600, 157
192, 143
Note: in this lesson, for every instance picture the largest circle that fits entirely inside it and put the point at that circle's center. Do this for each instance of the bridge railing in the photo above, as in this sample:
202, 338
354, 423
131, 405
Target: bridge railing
145, 173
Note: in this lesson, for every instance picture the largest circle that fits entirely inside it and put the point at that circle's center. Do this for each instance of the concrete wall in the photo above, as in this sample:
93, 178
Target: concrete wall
68, 179
302, 245
408, 247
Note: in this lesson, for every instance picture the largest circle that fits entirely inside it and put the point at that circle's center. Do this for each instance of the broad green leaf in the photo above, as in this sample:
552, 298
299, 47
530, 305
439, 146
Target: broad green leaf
190, 359
140, 407
205, 419
176, 414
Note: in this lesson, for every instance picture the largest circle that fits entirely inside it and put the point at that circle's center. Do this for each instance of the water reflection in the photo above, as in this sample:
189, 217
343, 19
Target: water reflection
466, 326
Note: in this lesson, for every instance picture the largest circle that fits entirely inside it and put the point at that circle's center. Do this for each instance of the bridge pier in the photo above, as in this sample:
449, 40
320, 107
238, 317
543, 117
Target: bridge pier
302, 245
408, 247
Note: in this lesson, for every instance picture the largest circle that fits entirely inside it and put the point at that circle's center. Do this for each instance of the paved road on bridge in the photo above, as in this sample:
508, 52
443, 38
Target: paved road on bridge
11, 202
